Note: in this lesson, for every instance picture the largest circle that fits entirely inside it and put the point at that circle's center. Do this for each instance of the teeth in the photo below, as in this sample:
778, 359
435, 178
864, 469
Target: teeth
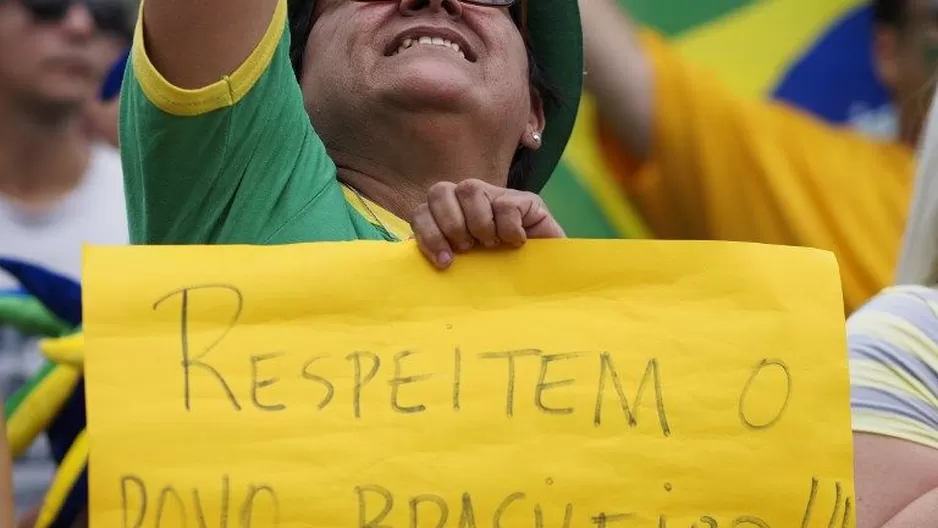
430, 41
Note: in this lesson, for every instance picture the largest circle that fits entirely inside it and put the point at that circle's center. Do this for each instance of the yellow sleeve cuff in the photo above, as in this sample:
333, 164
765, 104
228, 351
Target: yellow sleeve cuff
223, 93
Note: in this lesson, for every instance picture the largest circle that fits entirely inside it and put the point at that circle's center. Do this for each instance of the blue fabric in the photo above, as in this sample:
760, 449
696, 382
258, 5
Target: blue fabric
836, 76
61, 295
62, 434
112, 84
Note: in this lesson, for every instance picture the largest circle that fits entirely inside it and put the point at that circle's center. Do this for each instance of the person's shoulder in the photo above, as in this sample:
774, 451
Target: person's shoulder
899, 321
893, 345
900, 300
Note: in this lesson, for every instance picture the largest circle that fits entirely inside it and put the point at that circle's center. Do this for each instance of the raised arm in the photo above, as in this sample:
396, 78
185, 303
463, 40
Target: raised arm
196, 43
618, 73
216, 143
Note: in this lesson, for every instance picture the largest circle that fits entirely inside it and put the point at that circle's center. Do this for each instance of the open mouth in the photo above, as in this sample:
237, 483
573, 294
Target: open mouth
418, 39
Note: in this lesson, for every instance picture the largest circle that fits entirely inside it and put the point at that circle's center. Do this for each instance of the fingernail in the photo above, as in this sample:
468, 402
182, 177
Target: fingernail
490, 243
444, 258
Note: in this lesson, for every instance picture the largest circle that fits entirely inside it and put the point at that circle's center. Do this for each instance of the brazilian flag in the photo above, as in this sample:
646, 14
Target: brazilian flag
813, 54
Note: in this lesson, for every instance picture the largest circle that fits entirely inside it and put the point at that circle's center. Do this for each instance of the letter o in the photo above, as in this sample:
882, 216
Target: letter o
759, 368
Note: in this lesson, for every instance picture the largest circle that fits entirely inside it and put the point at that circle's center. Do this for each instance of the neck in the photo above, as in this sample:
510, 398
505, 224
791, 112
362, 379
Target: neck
42, 157
395, 168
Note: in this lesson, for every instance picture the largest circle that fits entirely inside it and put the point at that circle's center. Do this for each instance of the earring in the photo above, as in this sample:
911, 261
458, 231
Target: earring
536, 136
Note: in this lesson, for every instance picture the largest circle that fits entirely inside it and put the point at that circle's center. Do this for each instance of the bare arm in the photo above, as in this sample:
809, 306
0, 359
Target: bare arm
194, 43
896, 482
618, 73
922, 512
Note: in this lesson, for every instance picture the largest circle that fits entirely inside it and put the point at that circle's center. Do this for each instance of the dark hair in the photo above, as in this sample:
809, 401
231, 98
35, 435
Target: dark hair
523, 163
890, 13
300, 13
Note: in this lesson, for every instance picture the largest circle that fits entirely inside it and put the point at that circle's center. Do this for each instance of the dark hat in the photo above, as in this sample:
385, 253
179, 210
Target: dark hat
556, 40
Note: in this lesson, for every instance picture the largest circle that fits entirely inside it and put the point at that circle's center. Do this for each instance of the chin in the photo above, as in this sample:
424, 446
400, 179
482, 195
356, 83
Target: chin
430, 84
432, 96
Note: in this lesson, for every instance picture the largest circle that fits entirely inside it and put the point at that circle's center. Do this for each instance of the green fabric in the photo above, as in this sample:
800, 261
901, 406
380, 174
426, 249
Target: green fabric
251, 173
575, 208
29, 316
13, 402
673, 17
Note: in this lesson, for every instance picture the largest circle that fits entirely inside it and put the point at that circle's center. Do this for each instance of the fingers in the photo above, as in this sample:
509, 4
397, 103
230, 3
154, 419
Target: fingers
476, 204
523, 215
448, 213
454, 219
459, 216
508, 220
433, 244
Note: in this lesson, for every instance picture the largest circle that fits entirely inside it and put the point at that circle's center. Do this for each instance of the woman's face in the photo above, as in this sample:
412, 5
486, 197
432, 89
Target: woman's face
417, 56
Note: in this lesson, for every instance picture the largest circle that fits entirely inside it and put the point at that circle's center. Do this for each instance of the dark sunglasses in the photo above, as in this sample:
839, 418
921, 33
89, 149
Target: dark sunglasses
301, 11
109, 17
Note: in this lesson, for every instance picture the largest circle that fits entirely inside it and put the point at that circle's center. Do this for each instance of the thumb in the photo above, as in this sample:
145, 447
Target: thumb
546, 228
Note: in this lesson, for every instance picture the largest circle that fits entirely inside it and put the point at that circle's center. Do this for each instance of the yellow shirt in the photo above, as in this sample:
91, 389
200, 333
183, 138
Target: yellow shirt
728, 168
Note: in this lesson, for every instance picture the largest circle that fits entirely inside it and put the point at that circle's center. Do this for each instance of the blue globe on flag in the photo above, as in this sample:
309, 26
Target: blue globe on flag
835, 78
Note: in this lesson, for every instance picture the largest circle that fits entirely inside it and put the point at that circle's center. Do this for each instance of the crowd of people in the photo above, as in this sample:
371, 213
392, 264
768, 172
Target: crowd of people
288, 121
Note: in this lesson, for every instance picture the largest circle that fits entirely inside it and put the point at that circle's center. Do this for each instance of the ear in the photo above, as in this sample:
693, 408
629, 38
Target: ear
886, 56
534, 130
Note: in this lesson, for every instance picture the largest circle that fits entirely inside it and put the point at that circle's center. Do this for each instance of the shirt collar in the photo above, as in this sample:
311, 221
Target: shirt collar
377, 215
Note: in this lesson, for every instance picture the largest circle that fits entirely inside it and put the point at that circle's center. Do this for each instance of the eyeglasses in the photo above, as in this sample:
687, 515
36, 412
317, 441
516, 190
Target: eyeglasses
108, 16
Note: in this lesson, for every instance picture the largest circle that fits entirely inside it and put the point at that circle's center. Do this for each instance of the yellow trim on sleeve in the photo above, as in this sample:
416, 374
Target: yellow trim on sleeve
225, 92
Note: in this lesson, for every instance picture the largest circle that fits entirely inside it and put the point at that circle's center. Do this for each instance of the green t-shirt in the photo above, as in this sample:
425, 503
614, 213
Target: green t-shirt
236, 162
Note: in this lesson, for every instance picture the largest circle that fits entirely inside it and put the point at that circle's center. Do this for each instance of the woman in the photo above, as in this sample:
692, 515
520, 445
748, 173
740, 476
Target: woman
255, 121
893, 344
259, 122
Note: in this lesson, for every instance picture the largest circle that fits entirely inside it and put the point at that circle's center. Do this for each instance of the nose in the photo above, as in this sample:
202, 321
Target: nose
452, 8
78, 21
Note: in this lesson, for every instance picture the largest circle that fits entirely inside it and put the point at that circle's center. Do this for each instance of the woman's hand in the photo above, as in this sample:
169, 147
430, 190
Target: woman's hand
460, 216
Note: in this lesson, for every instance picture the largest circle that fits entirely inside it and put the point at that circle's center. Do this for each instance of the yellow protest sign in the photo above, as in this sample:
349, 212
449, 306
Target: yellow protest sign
570, 384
